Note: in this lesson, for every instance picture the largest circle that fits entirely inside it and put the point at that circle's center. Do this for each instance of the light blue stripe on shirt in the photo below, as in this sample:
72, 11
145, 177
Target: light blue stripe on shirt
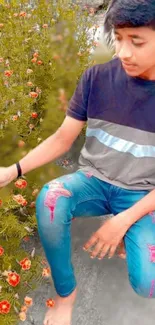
121, 145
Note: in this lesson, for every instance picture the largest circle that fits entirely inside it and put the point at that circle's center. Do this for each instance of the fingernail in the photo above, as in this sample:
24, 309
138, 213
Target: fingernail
91, 256
109, 257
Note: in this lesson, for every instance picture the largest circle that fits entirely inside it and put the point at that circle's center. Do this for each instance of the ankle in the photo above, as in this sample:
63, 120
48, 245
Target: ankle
70, 299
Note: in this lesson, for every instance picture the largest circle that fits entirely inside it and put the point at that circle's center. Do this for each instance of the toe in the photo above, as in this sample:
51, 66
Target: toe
45, 321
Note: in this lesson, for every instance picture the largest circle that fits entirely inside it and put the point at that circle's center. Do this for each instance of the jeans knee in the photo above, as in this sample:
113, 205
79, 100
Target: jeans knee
144, 289
53, 201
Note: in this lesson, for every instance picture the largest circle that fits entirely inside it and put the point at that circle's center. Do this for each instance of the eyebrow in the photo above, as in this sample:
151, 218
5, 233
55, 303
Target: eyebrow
131, 35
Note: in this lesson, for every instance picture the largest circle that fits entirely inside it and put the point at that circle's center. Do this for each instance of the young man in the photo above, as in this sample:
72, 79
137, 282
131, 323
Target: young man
117, 163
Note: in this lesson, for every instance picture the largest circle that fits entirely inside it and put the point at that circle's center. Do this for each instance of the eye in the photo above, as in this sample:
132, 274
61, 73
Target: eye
138, 44
117, 38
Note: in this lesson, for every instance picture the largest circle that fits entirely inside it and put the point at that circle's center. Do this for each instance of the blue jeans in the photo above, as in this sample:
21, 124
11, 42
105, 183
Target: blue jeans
83, 195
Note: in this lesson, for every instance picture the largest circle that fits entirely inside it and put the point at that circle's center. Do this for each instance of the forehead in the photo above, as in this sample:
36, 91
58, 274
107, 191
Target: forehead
135, 32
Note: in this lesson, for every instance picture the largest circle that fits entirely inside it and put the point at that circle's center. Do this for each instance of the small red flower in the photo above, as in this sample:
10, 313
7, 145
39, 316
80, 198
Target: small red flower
13, 279
25, 264
22, 14
32, 204
1, 202
22, 316
21, 183
8, 73
21, 143
40, 62
45, 26
19, 199
46, 272
24, 203
33, 94
24, 308
1, 250
15, 117
28, 301
35, 55
1, 25
4, 307
26, 238
34, 60
50, 303
34, 115
35, 192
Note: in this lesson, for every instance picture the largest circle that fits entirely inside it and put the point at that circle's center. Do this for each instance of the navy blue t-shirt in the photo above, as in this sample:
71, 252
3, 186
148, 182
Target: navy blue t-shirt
120, 115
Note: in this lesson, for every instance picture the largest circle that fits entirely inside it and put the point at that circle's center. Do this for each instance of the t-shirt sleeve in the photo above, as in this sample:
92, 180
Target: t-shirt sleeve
78, 104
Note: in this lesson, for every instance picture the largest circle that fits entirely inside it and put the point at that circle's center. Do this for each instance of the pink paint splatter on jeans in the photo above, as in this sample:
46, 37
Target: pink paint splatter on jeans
89, 174
55, 191
152, 289
152, 253
153, 216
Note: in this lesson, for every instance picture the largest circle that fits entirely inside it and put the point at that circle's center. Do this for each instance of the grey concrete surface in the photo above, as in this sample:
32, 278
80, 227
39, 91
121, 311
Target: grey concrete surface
104, 296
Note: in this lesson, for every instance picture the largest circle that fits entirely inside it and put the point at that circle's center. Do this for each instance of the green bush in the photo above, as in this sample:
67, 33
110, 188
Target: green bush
42, 56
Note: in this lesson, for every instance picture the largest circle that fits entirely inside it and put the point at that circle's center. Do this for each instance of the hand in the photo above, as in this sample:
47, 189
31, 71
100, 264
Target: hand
7, 175
107, 238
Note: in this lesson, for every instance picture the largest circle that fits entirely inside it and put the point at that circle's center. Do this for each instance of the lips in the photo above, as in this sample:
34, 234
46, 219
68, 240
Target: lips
128, 64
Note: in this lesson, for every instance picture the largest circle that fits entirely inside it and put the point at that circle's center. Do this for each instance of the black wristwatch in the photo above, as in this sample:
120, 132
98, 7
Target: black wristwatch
19, 170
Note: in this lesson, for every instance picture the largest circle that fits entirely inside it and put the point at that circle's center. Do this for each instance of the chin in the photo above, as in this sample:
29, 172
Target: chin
132, 73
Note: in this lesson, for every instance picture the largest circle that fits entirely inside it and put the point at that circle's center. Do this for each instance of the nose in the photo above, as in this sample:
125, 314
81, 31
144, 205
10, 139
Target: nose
124, 52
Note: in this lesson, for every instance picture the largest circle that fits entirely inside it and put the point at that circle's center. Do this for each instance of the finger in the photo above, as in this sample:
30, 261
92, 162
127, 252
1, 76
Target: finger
122, 256
121, 250
112, 251
97, 249
90, 242
104, 251
45, 321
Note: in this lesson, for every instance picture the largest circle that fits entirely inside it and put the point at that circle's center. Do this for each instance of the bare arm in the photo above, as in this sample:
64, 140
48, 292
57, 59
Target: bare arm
51, 148
140, 209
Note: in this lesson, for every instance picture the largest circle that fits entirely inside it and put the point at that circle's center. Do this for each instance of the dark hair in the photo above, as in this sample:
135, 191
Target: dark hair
129, 13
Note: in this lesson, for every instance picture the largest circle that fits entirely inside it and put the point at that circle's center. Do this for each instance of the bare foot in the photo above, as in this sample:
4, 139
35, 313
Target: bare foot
121, 250
61, 313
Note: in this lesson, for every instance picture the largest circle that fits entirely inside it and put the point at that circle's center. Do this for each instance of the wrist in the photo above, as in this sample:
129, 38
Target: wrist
13, 172
126, 218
